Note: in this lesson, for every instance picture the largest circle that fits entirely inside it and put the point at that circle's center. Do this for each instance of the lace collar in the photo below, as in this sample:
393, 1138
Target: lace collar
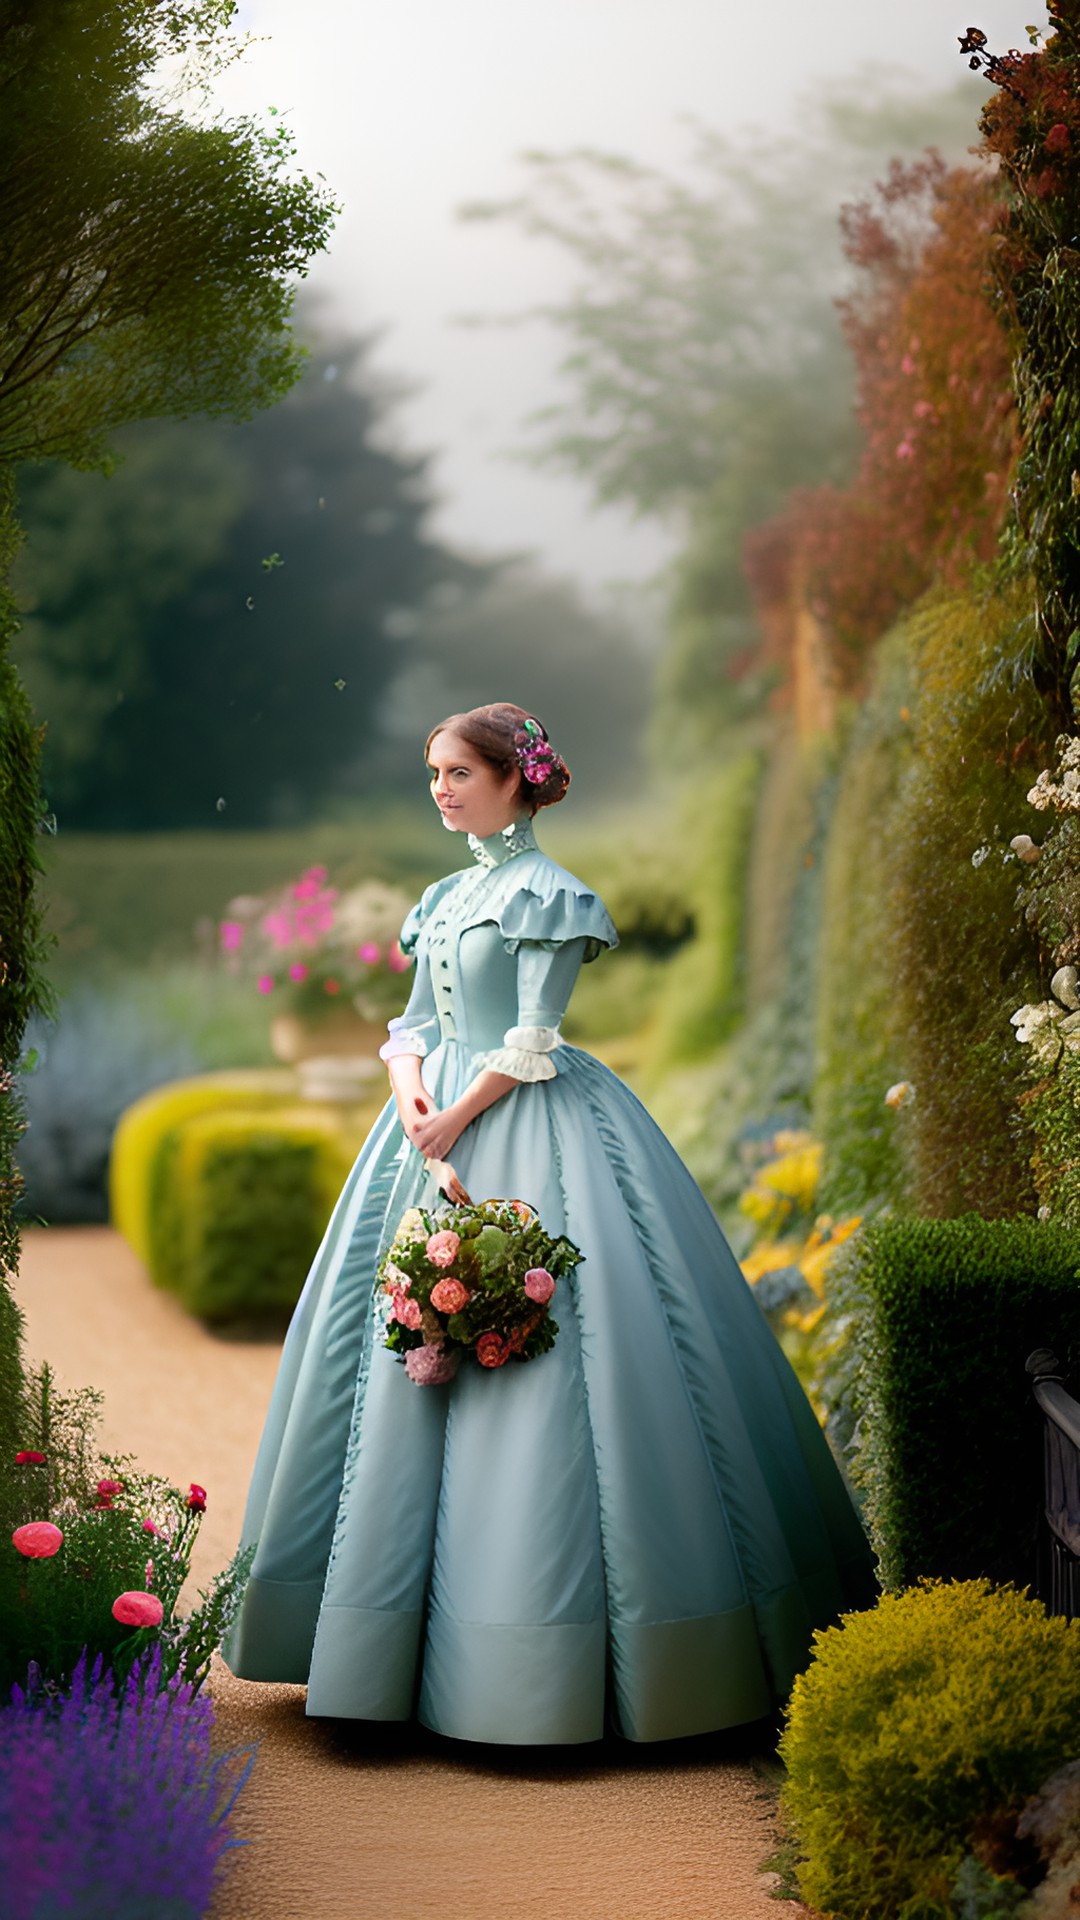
517, 838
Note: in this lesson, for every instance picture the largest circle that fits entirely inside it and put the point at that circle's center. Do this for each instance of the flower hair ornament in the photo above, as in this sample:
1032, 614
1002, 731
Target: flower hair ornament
537, 758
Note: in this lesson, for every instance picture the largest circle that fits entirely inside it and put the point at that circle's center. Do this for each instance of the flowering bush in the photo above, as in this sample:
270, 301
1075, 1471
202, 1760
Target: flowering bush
95, 1560
110, 1802
471, 1279
312, 947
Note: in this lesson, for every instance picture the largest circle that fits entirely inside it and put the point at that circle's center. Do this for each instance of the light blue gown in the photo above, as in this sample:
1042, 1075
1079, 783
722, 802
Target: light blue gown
641, 1528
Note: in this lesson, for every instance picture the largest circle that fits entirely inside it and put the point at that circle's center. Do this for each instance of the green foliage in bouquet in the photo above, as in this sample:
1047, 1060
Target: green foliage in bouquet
937, 1318
918, 1727
82, 1534
471, 1279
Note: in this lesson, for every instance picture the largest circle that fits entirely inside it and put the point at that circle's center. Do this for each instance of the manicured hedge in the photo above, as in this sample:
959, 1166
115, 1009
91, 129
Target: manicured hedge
941, 1316
240, 1203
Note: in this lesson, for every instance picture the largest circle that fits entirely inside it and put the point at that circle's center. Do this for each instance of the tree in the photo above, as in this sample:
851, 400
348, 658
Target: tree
707, 372
215, 619
146, 258
147, 254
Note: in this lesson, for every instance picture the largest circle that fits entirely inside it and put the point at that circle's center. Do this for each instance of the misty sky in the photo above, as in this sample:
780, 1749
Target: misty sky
412, 107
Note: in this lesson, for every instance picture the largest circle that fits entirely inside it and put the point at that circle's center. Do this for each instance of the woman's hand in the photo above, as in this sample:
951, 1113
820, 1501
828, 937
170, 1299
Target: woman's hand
437, 1133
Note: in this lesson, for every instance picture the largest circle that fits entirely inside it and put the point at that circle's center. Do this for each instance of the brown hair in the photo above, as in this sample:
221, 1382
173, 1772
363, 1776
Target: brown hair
496, 733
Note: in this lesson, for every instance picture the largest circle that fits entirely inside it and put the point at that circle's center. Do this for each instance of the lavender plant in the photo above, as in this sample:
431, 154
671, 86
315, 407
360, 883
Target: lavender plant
111, 1805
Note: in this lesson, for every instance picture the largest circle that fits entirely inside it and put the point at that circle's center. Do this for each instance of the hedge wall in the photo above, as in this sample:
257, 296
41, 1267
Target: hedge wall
940, 1317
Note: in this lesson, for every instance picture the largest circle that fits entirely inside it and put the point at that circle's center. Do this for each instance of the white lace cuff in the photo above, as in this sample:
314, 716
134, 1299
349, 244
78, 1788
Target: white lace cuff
403, 1040
525, 1054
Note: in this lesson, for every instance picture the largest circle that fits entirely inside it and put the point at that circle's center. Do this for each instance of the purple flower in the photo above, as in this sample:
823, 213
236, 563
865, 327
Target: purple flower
431, 1366
109, 1798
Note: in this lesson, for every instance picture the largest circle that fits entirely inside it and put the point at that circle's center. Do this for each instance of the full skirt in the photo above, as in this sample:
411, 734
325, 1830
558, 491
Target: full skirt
640, 1529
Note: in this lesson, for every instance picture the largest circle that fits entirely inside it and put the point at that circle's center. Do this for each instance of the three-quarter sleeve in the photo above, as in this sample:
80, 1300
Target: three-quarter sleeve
545, 981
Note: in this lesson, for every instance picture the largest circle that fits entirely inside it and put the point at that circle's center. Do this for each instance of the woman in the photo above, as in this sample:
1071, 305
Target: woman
640, 1528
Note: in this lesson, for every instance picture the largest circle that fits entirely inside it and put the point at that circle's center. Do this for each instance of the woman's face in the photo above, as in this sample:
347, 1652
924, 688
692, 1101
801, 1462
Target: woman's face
471, 795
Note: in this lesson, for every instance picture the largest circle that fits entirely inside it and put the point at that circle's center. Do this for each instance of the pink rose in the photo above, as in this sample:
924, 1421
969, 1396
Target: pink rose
432, 1366
492, 1350
405, 1310
539, 1285
442, 1248
138, 1609
449, 1296
38, 1540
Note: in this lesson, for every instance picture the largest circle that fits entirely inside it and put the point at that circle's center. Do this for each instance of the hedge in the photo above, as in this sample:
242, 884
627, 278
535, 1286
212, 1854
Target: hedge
940, 1317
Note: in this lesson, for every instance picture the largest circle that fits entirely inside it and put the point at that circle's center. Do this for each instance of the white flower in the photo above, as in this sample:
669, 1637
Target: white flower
900, 1095
980, 854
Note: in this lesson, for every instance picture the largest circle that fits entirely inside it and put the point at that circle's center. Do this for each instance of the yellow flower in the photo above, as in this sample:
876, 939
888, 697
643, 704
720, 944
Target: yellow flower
769, 1256
820, 1247
785, 1186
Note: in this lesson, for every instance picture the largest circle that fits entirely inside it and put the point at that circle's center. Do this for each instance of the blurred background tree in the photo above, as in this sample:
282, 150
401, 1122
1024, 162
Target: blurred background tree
216, 619
150, 247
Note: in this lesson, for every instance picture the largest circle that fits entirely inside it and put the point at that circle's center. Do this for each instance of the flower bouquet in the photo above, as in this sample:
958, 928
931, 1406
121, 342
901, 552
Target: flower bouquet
313, 947
475, 1279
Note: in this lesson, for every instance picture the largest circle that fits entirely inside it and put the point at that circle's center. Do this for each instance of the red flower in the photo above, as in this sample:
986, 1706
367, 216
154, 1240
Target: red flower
449, 1296
196, 1498
331, 986
492, 1350
107, 1492
137, 1609
29, 1459
38, 1540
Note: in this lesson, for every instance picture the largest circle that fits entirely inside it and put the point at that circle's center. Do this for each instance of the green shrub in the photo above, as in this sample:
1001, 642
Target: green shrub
940, 1317
52, 1608
702, 994
932, 1717
239, 1203
959, 954
859, 1054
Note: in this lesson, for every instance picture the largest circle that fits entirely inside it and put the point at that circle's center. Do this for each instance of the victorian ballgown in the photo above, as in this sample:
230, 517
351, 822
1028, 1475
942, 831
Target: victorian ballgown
639, 1529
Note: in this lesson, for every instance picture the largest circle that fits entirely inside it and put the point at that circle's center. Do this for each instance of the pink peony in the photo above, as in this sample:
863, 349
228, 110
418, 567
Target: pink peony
369, 953
539, 1285
232, 936
38, 1540
29, 1459
432, 1366
492, 1350
196, 1499
405, 1310
442, 1248
449, 1296
137, 1609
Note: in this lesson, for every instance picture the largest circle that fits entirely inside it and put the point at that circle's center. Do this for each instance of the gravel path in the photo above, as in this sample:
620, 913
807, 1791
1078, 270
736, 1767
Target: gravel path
353, 1822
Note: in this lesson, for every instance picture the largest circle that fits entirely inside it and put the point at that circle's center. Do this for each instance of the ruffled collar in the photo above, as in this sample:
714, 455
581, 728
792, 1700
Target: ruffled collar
498, 848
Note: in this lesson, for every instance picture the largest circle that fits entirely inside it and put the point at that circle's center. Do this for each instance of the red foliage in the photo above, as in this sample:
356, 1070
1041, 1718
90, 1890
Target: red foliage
934, 399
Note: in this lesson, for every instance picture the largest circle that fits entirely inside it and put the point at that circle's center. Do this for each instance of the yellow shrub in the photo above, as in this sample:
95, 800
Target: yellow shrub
145, 1124
941, 1710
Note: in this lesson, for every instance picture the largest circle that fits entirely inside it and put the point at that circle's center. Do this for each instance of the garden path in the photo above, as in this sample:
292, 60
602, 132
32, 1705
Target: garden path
386, 1823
